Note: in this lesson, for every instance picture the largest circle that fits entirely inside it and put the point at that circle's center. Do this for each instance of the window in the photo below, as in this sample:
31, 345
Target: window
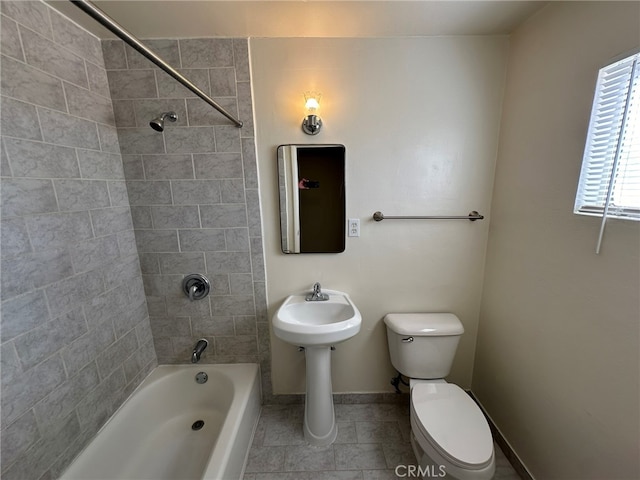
610, 177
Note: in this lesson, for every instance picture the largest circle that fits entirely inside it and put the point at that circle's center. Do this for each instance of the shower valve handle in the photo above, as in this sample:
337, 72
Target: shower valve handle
196, 286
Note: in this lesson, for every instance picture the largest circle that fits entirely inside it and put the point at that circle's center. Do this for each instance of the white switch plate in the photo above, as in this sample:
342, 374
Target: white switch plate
353, 229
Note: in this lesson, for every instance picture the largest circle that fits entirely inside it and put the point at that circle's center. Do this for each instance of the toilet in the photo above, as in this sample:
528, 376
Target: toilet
449, 433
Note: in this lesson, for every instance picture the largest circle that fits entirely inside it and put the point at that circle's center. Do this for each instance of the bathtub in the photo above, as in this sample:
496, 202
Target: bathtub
175, 428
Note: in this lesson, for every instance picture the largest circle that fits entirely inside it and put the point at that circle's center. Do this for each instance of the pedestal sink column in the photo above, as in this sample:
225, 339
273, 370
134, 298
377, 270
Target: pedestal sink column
319, 417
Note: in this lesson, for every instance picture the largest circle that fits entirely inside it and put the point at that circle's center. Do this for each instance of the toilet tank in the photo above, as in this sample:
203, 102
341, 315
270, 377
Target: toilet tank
422, 345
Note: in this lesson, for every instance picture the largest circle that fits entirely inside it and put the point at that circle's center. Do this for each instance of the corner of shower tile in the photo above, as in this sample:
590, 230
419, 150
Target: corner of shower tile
34, 15
113, 54
69, 35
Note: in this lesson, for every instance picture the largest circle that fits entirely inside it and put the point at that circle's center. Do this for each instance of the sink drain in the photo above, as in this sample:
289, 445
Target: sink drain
197, 425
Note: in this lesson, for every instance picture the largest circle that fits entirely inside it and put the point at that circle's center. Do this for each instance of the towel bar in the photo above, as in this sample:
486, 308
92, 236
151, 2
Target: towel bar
473, 216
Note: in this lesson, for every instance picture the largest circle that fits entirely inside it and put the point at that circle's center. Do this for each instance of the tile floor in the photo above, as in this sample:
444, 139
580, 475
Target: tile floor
372, 440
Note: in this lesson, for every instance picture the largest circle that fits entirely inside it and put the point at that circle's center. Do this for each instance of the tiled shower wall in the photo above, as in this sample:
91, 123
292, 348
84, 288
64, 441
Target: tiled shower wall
193, 191
75, 333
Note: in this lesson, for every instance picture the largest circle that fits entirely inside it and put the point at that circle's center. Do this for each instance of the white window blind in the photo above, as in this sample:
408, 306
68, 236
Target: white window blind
610, 178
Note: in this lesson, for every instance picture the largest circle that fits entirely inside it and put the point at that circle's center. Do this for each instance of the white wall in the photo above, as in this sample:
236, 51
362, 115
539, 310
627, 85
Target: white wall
419, 118
557, 359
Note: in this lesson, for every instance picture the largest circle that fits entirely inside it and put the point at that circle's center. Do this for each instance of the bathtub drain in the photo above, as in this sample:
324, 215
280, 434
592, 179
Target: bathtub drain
197, 425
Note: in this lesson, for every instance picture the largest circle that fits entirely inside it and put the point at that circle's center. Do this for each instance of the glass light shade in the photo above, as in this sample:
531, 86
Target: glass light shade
311, 104
312, 123
312, 101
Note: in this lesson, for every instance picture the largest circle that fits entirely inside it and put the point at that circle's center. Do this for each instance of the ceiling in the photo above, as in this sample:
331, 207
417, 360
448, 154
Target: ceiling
300, 18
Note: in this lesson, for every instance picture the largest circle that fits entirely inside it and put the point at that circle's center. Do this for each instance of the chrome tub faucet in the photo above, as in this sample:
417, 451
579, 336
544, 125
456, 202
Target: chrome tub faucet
316, 295
199, 348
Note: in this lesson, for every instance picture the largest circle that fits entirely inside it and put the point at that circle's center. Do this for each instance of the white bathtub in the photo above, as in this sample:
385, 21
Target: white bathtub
151, 435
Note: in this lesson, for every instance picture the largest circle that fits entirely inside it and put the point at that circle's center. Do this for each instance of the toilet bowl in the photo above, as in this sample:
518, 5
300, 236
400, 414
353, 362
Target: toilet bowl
449, 433
449, 430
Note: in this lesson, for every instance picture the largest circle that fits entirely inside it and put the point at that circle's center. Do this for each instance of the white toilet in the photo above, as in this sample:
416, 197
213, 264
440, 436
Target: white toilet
449, 433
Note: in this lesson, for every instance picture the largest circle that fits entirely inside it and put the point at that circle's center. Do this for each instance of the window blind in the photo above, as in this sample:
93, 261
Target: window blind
610, 177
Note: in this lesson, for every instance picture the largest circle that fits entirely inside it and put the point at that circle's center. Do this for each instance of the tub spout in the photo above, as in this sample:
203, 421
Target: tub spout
197, 351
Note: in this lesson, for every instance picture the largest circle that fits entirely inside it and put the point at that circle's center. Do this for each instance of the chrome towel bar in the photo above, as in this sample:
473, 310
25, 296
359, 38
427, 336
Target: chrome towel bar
473, 216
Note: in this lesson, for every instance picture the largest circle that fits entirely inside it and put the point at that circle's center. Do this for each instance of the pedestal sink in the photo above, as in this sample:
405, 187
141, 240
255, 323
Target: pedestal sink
316, 326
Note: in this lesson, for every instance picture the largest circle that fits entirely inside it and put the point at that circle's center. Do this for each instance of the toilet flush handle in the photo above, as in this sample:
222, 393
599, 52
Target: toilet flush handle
407, 340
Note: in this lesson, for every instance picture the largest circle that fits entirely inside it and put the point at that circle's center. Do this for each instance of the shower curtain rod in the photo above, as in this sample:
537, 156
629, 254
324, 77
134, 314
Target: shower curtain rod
90, 9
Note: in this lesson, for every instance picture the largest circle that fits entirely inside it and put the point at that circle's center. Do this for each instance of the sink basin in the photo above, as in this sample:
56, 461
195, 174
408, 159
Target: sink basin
328, 322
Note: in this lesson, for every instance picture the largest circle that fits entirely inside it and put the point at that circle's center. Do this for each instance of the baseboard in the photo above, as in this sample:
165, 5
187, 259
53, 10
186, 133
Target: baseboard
341, 398
502, 442
355, 398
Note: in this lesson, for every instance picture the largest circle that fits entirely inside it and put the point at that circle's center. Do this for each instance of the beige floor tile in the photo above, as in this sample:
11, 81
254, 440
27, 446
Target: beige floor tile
372, 440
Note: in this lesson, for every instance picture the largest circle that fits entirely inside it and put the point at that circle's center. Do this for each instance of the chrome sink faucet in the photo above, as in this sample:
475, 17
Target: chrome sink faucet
316, 295
199, 348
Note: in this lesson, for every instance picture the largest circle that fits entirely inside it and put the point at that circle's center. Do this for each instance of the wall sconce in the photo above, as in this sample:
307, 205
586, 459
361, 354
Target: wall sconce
312, 123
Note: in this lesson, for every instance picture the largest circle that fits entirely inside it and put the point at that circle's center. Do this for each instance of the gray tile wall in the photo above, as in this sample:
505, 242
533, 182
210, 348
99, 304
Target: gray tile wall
75, 333
194, 199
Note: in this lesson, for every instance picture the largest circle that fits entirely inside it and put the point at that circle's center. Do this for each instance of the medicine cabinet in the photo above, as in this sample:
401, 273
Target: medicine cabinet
312, 198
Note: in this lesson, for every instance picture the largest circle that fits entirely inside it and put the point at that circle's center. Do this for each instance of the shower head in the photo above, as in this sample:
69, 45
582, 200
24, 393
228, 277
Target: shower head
158, 123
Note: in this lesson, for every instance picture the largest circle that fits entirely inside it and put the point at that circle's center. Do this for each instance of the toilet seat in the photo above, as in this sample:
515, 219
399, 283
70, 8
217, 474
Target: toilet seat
446, 417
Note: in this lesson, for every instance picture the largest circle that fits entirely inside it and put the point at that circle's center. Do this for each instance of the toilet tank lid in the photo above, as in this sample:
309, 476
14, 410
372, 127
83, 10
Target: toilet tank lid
424, 324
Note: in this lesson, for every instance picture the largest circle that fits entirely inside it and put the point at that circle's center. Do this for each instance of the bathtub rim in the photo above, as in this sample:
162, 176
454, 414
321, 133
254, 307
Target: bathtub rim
237, 417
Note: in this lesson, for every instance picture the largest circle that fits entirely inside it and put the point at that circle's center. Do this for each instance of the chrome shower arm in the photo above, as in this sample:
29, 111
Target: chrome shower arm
106, 21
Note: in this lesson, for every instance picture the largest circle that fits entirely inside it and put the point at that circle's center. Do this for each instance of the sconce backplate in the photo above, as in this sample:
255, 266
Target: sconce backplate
311, 124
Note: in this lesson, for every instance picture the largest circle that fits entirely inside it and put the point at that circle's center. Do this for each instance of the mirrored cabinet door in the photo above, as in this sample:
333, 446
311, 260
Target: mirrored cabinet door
312, 198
